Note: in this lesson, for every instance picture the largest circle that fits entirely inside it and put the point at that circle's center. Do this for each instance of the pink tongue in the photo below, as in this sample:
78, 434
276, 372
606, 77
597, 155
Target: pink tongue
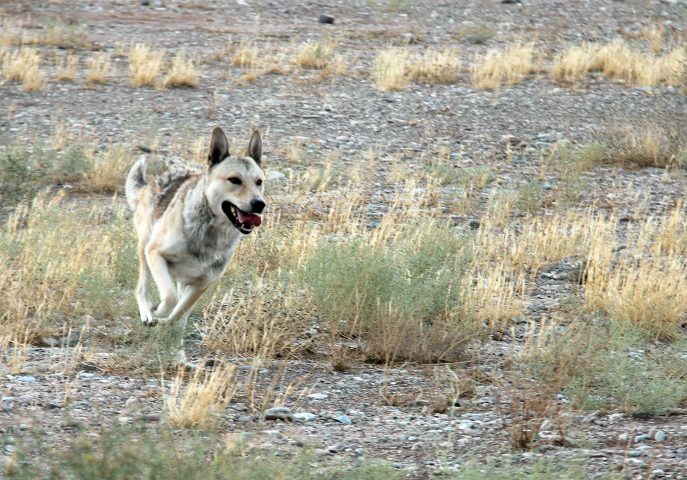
248, 218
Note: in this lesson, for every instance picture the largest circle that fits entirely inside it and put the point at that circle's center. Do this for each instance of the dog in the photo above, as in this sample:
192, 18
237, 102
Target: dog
189, 221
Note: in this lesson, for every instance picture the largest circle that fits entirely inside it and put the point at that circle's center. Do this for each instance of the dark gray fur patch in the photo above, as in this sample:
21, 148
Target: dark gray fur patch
169, 184
203, 238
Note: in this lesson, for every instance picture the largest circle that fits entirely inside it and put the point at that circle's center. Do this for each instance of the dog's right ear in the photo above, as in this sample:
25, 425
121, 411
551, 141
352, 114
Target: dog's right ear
219, 147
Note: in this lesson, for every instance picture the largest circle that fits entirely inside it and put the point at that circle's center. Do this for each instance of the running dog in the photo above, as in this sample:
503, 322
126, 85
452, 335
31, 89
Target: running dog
189, 221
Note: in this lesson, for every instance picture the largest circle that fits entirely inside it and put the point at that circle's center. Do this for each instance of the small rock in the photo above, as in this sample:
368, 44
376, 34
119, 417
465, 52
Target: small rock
279, 413
318, 396
642, 437
326, 19
124, 420
27, 379
658, 473
275, 176
304, 416
343, 419
474, 224
148, 417
660, 436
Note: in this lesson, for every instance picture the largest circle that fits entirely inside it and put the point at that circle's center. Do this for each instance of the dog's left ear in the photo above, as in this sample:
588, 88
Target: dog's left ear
219, 147
255, 146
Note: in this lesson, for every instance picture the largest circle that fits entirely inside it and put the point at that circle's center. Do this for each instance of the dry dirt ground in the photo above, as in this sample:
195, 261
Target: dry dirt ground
391, 410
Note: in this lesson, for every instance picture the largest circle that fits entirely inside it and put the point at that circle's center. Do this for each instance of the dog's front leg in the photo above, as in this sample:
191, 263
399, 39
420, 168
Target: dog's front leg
163, 279
189, 295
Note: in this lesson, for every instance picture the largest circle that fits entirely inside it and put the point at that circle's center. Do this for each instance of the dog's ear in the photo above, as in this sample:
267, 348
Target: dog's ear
255, 146
219, 147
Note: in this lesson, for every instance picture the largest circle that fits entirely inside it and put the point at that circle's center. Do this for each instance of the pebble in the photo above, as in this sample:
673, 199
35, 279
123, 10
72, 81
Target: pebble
658, 473
660, 436
279, 413
318, 396
641, 437
304, 416
27, 379
325, 19
343, 419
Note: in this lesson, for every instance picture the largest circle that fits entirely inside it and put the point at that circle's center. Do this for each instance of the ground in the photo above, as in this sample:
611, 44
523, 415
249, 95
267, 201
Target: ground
482, 160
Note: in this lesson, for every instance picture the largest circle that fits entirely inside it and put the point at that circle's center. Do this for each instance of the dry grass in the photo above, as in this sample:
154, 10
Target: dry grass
503, 67
315, 55
645, 286
198, 401
66, 282
182, 73
99, 68
23, 65
573, 65
620, 61
258, 62
435, 66
145, 64
67, 68
389, 71
246, 55
106, 171
645, 145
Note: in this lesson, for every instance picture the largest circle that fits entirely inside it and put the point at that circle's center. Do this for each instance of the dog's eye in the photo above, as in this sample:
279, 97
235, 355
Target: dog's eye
235, 180
259, 182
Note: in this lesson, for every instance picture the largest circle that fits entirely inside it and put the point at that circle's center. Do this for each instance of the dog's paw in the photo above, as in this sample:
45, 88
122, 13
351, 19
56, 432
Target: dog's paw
182, 362
148, 319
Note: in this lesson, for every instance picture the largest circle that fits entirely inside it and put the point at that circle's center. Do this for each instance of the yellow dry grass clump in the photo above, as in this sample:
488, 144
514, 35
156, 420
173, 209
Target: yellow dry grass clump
314, 54
645, 284
647, 145
66, 68
99, 67
145, 64
503, 67
389, 70
259, 62
70, 273
105, 172
23, 65
620, 61
182, 73
573, 65
198, 401
435, 66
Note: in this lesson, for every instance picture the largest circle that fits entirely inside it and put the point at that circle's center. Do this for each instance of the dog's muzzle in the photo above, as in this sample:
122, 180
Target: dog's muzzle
245, 222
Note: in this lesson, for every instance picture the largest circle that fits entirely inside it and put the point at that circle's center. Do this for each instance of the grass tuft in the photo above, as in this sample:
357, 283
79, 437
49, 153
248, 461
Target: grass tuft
389, 71
144, 64
99, 67
503, 67
23, 66
182, 73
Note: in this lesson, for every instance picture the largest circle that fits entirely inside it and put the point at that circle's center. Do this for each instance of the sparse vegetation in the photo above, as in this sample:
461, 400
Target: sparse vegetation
503, 67
99, 67
24, 65
182, 73
145, 64
440, 272
66, 68
389, 71
315, 55
435, 66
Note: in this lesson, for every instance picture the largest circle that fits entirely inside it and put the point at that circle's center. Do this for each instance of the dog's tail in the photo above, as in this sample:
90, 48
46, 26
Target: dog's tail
135, 182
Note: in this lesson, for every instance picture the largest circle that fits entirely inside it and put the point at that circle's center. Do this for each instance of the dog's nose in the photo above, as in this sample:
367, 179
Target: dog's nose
257, 205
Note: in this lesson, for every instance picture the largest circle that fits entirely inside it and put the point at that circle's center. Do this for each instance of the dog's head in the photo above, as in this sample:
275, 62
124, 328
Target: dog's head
236, 182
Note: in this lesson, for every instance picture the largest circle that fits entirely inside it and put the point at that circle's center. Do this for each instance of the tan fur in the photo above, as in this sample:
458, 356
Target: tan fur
185, 236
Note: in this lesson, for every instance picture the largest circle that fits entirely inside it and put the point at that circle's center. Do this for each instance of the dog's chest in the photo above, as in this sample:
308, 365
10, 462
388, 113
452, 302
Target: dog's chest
206, 256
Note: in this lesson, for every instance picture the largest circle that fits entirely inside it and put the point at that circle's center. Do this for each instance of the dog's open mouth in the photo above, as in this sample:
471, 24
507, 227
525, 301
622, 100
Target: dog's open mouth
245, 222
